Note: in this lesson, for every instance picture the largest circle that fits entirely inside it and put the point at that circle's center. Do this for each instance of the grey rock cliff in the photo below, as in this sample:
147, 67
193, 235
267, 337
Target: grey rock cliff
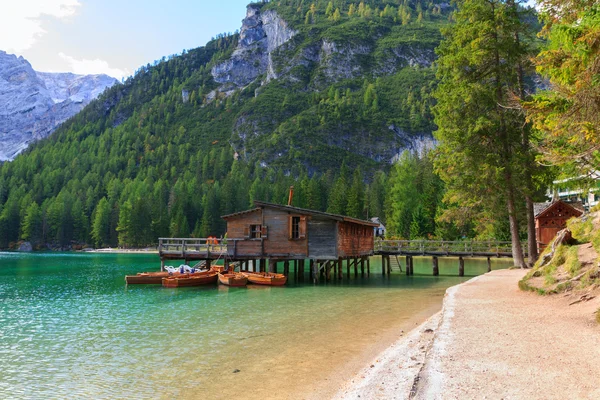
33, 104
261, 34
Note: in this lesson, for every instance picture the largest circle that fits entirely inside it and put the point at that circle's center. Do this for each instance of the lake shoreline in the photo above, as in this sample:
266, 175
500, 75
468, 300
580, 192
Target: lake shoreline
488, 342
110, 250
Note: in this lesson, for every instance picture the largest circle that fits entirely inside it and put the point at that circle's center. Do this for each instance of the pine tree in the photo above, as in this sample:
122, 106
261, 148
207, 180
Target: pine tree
356, 196
31, 229
480, 135
101, 224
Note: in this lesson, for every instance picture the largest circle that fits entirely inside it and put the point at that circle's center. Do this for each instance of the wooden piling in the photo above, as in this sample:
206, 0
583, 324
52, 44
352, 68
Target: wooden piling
388, 266
362, 266
301, 270
383, 265
436, 269
489, 263
348, 268
461, 266
263, 265
340, 268
355, 267
368, 266
272, 265
286, 267
314, 270
162, 265
328, 270
407, 265
296, 269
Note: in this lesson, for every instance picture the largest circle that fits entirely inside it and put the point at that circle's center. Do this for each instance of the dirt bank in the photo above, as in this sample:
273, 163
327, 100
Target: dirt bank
492, 340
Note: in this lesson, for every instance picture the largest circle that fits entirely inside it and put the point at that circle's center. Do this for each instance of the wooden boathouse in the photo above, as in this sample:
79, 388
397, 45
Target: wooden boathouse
276, 233
551, 218
286, 233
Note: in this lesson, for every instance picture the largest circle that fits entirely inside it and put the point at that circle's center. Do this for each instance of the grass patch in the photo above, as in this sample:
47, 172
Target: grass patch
581, 228
572, 264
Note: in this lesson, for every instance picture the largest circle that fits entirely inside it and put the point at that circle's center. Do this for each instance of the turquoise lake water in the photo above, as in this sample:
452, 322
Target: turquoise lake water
71, 328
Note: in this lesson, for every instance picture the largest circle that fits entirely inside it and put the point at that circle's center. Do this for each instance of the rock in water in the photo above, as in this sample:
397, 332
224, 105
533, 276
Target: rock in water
33, 104
25, 246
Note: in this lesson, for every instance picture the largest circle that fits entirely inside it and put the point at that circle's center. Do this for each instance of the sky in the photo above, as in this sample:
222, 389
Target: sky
114, 37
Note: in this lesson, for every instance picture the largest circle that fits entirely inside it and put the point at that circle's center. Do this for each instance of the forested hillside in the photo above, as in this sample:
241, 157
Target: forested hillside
344, 91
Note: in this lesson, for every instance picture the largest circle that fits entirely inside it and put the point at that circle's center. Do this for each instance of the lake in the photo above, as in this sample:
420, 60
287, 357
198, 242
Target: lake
70, 327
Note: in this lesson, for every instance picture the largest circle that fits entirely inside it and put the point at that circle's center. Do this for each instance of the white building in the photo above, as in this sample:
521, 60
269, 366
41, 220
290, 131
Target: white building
379, 230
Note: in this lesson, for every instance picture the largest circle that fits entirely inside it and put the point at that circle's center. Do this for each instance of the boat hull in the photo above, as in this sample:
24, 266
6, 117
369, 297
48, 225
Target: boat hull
234, 280
146, 278
265, 278
207, 278
155, 278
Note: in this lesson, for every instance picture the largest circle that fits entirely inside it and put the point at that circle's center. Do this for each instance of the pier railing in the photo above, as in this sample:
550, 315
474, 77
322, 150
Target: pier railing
444, 247
191, 247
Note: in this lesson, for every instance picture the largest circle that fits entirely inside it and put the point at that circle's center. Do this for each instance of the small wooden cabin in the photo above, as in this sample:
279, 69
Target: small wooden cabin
551, 218
281, 232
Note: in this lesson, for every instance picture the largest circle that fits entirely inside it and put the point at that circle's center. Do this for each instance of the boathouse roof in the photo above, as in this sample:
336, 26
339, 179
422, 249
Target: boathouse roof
261, 204
539, 209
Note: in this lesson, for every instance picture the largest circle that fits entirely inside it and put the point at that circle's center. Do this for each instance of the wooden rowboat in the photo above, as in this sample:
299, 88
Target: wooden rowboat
265, 278
205, 278
149, 278
233, 279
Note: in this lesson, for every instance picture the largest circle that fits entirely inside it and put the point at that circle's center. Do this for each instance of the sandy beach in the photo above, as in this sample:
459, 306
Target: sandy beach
491, 340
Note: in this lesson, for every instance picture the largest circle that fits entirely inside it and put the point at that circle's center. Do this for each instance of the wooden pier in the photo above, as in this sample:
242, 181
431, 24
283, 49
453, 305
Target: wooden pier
391, 252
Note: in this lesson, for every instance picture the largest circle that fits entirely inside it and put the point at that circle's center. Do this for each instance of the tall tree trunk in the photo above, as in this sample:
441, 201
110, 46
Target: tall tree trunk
507, 157
532, 250
517, 250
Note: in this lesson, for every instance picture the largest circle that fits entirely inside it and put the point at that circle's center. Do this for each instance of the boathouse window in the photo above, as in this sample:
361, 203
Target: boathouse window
255, 231
297, 227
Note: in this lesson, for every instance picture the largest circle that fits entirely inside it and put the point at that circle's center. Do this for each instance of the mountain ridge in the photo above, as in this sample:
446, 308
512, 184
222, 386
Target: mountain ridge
35, 103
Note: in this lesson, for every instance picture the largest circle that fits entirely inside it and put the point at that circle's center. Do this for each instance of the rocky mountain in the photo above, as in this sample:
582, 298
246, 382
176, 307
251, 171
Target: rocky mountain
315, 58
33, 104
320, 95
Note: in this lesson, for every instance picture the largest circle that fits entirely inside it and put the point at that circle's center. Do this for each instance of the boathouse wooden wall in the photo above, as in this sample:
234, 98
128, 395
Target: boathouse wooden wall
278, 242
237, 229
354, 240
320, 235
322, 238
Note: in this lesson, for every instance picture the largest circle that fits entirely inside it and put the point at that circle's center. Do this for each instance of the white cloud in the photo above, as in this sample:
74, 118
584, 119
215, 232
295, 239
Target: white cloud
21, 24
96, 66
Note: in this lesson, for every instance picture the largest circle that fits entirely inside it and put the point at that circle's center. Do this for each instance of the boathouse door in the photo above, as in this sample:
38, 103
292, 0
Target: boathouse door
322, 238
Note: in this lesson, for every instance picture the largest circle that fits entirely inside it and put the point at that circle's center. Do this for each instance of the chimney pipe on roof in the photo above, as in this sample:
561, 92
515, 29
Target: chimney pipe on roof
291, 197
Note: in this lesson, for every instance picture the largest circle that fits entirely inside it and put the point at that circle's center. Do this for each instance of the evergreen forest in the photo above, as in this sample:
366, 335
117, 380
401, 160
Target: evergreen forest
169, 151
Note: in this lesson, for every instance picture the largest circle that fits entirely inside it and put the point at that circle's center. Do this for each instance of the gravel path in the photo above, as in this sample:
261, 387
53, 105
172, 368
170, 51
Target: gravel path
492, 341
